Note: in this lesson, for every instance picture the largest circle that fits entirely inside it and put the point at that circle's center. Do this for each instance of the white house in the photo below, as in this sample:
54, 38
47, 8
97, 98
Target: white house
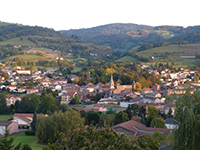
171, 123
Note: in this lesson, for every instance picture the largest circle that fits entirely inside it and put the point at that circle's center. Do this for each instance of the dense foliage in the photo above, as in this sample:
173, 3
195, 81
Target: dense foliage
49, 128
187, 114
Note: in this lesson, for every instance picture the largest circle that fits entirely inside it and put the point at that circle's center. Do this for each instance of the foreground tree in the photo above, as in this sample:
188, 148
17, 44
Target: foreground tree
6, 142
48, 129
187, 135
104, 138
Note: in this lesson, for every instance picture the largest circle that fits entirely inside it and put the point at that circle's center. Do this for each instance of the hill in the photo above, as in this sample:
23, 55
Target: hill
15, 39
130, 36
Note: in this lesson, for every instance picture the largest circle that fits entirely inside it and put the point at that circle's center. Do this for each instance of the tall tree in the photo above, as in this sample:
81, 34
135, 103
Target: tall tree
187, 114
3, 104
34, 122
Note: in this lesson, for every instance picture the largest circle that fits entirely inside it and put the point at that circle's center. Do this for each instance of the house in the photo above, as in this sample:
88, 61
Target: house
20, 71
25, 119
12, 126
67, 95
133, 128
11, 88
171, 123
30, 91
108, 100
11, 99
147, 90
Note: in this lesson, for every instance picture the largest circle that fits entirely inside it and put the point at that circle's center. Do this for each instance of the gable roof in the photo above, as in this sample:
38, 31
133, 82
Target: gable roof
140, 129
5, 123
170, 121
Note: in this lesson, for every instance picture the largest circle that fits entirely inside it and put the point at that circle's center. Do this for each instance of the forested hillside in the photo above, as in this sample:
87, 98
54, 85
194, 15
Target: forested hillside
13, 35
131, 36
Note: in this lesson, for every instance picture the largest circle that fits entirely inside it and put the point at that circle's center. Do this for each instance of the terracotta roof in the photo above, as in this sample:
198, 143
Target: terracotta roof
140, 129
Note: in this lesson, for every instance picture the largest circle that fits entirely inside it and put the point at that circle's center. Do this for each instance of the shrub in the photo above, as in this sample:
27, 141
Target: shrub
30, 132
26, 147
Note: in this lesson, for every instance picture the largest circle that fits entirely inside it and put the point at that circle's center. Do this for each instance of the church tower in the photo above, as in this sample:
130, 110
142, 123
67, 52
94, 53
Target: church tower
112, 84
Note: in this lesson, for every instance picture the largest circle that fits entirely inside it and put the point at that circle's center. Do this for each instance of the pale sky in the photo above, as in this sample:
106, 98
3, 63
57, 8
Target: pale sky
76, 14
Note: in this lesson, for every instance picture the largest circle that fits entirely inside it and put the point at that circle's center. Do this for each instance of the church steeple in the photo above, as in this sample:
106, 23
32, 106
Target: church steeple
112, 84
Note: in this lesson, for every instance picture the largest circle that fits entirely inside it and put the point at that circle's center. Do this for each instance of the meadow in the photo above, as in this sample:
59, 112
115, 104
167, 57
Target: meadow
128, 58
17, 41
31, 140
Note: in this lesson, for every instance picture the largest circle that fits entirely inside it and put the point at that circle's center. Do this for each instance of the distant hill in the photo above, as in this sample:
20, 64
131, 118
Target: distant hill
38, 37
130, 36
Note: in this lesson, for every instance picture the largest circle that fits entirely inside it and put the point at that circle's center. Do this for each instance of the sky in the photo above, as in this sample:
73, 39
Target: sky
76, 14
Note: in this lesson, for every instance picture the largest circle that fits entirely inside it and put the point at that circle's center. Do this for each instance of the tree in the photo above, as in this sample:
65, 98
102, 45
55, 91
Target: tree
26, 147
187, 114
158, 123
92, 118
196, 79
138, 86
3, 104
106, 120
153, 111
47, 104
49, 128
6, 142
34, 122
121, 117
29, 103
135, 110
75, 100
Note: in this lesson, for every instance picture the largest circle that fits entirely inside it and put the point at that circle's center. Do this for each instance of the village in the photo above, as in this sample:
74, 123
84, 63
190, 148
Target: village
112, 94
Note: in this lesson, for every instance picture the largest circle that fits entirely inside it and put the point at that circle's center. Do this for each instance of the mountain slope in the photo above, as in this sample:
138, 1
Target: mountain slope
39, 37
130, 36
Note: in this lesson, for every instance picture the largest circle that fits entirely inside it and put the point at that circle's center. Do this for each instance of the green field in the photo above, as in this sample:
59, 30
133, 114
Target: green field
76, 59
128, 58
31, 140
159, 50
17, 41
24, 57
77, 69
4, 117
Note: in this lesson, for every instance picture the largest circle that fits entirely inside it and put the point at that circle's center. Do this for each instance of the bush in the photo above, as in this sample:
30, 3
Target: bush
26, 147
30, 132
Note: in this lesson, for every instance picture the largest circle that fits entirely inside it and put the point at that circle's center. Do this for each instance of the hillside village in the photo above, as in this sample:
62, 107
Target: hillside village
114, 93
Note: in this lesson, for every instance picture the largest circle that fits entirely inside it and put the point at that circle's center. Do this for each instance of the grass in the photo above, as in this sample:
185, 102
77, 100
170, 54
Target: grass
128, 58
31, 140
159, 50
76, 59
24, 57
4, 117
77, 69
17, 41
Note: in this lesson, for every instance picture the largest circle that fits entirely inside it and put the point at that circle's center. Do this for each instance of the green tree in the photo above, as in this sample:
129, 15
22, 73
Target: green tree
106, 120
3, 104
49, 128
29, 103
34, 122
75, 100
6, 142
26, 147
187, 114
158, 123
121, 117
47, 104
92, 118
